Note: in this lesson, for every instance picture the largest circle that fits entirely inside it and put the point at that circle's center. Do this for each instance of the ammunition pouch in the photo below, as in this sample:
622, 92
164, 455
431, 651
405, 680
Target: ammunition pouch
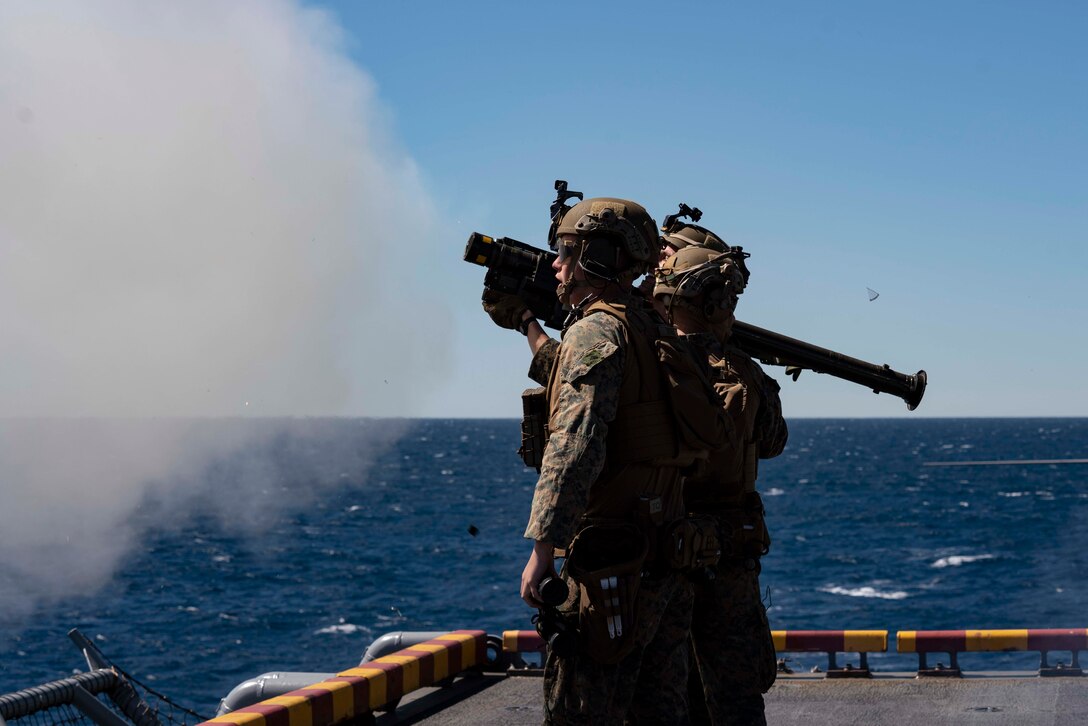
692, 543
606, 560
534, 427
742, 528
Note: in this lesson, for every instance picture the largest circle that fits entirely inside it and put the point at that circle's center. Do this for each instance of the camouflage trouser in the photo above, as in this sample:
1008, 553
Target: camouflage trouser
731, 647
580, 690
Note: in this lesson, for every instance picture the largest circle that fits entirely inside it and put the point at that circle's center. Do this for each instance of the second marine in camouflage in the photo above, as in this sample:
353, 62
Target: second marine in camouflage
732, 645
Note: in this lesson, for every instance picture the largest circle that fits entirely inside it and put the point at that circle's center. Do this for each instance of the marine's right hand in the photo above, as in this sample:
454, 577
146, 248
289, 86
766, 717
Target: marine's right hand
541, 564
505, 310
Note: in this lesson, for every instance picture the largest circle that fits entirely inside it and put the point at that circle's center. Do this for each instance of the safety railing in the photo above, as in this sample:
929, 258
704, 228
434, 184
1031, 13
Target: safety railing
372, 686
78, 691
833, 642
516, 643
954, 642
522, 641
105, 695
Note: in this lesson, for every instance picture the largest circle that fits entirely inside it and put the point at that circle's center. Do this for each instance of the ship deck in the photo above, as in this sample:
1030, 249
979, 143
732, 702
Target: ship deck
991, 698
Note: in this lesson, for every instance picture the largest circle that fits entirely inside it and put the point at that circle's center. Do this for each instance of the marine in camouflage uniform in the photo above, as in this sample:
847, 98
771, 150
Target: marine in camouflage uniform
583, 477
580, 690
730, 635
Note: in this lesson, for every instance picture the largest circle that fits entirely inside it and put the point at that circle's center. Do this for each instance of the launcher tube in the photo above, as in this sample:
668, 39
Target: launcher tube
777, 349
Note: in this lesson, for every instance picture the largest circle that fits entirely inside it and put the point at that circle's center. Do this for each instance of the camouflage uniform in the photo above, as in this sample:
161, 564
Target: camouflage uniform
541, 366
637, 690
731, 639
589, 369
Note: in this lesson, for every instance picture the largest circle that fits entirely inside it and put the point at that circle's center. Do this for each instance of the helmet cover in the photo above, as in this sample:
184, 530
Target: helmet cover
626, 223
696, 271
680, 236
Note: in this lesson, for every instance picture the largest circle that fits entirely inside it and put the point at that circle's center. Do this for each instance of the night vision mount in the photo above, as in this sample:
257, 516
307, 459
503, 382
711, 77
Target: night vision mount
694, 214
560, 207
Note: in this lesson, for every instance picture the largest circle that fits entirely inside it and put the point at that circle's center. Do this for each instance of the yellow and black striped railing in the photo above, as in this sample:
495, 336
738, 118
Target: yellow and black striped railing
833, 642
515, 642
362, 690
954, 642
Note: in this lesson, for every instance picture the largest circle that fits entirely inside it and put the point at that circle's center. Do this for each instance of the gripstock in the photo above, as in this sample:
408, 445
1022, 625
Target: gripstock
517, 268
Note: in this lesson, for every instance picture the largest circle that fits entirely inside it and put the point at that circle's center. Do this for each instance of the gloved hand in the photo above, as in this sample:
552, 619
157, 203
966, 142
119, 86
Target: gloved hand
505, 310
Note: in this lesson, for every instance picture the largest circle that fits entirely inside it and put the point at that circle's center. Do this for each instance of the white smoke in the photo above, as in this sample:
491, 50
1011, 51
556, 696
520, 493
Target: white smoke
202, 213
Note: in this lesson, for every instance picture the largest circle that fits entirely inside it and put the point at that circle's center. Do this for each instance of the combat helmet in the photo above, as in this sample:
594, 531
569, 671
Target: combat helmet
685, 235
678, 234
604, 224
703, 279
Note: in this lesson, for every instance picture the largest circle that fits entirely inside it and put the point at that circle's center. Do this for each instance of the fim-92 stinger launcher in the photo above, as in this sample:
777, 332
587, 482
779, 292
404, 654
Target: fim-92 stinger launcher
517, 268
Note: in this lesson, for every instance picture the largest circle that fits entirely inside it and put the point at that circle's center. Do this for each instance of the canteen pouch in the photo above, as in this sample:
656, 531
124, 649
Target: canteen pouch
744, 532
534, 427
700, 418
606, 562
692, 543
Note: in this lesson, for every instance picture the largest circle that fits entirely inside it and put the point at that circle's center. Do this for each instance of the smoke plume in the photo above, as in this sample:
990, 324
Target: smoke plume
203, 213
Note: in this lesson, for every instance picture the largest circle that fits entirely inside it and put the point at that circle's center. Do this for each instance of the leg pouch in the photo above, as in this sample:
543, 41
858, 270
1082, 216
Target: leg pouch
606, 561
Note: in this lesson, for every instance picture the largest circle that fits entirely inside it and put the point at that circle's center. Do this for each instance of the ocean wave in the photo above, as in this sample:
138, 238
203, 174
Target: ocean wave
344, 628
865, 591
957, 560
774, 492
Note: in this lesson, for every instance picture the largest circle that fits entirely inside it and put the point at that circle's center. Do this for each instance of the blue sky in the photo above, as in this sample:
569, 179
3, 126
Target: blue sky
259, 208
935, 153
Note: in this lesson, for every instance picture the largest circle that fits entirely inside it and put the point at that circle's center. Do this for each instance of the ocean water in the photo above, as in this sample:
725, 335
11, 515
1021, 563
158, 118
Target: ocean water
865, 537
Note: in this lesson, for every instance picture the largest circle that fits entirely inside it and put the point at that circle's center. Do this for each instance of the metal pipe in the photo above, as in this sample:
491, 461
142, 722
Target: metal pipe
267, 685
55, 693
277, 683
392, 642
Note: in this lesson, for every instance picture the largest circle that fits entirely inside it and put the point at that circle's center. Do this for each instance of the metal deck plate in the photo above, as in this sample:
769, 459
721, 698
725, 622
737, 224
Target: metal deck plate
1004, 699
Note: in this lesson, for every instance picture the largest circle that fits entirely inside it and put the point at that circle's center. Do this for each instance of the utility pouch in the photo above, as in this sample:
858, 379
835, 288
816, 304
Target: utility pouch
606, 561
534, 427
743, 529
700, 418
692, 543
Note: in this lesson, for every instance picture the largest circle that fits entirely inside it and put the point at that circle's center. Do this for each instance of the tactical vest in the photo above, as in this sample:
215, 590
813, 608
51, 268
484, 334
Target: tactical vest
727, 487
732, 471
646, 446
641, 432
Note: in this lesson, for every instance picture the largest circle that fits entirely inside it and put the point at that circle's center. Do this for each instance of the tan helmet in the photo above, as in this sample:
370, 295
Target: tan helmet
684, 235
703, 279
626, 224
